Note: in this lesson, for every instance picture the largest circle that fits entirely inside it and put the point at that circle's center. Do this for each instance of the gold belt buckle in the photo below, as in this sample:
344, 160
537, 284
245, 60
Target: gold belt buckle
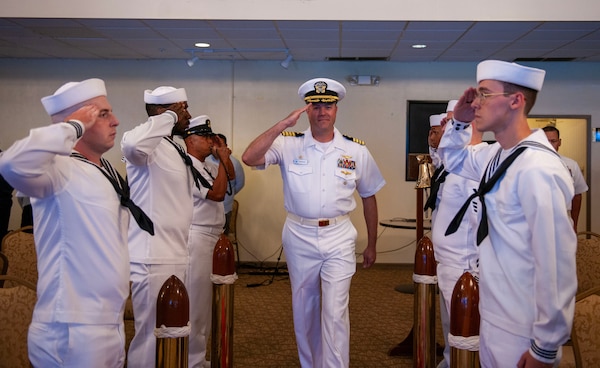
323, 223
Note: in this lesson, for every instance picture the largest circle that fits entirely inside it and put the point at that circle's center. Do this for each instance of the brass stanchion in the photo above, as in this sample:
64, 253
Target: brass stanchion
223, 277
464, 323
425, 281
172, 325
407, 347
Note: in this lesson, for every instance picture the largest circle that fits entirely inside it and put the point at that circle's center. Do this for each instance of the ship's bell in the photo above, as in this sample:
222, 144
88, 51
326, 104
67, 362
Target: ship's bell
426, 171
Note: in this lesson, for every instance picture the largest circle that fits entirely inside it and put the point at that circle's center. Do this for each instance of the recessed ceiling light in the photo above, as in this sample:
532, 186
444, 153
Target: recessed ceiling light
419, 46
202, 44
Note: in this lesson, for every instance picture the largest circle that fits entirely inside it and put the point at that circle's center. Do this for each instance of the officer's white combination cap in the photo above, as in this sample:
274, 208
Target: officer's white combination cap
165, 95
504, 71
436, 120
322, 90
451, 105
200, 126
73, 93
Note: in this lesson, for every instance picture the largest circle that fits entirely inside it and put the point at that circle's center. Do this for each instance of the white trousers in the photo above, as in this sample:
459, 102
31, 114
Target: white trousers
321, 262
76, 345
146, 282
499, 348
201, 243
447, 278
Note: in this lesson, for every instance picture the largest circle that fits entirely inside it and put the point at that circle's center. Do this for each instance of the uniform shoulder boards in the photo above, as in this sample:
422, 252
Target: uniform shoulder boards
355, 140
292, 134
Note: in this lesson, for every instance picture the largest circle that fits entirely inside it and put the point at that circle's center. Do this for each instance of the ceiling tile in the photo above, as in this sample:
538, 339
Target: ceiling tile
306, 40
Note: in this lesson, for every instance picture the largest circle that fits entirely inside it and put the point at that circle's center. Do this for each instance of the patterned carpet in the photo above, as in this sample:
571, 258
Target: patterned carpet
380, 318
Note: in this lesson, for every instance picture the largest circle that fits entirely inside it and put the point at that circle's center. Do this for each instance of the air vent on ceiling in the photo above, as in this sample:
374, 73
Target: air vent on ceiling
545, 59
358, 58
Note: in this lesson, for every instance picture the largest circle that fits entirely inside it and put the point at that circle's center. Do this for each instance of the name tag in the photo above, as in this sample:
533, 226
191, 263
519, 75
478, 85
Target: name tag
300, 162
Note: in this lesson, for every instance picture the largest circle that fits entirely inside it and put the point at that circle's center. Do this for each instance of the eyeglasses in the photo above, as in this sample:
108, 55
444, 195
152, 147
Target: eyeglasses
482, 96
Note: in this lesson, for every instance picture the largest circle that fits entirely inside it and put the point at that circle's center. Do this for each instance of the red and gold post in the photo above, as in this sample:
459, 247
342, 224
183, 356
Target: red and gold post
223, 278
172, 325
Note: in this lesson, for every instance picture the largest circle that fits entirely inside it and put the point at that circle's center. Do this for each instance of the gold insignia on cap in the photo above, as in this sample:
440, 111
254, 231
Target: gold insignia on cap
320, 87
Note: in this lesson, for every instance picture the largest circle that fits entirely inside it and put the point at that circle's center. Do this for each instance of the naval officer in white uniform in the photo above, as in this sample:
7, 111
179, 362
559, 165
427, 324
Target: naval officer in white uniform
321, 169
207, 225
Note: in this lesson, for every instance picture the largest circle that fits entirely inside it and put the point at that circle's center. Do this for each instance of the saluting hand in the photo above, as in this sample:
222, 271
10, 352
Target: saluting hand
180, 109
463, 111
86, 114
293, 117
221, 152
217, 141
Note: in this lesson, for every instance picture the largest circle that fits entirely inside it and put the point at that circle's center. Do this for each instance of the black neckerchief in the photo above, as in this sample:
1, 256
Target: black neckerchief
198, 178
122, 188
493, 173
439, 176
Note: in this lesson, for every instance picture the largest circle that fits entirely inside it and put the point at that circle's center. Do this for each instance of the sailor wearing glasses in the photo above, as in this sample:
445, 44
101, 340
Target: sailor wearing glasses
527, 263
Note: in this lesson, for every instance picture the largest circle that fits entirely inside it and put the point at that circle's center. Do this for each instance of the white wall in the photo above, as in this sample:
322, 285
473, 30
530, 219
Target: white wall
245, 98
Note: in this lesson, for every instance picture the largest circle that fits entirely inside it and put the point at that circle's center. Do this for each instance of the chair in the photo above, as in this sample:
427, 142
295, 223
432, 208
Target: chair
586, 329
568, 356
588, 260
588, 277
19, 247
16, 310
232, 235
3, 267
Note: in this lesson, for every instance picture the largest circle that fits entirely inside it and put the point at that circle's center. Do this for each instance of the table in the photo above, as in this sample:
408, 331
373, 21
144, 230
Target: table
404, 223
